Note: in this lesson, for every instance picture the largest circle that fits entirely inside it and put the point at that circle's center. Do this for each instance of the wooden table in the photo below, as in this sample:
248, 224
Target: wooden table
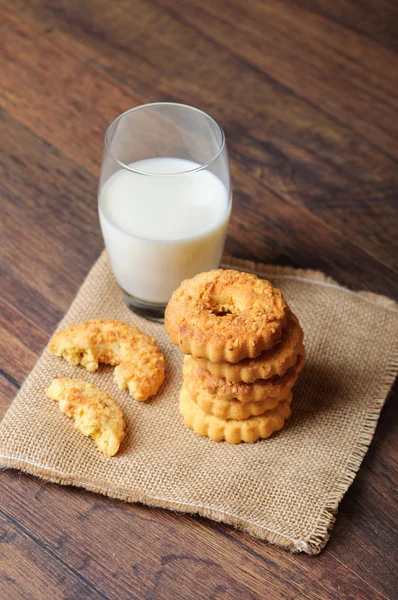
307, 94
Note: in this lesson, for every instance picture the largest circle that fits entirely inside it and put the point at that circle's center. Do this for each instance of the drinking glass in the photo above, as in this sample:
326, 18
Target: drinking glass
164, 200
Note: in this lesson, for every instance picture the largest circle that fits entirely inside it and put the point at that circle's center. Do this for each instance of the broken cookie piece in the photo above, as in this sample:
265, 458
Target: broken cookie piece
139, 362
95, 413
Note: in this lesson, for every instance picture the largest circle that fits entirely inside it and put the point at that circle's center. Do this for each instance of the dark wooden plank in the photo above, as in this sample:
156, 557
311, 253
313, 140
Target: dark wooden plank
21, 328
50, 224
280, 233
168, 556
28, 299
28, 571
21, 342
76, 120
17, 360
349, 77
8, 388
283, 141
376, 20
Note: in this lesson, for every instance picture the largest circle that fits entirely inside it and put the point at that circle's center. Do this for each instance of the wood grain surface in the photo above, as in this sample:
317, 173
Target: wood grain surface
307, 95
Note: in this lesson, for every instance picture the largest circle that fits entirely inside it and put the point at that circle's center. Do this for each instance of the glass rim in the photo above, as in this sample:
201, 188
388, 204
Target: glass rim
200, 167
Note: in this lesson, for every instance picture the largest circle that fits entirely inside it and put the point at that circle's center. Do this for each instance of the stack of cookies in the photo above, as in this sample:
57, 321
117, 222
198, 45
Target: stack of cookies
244, 351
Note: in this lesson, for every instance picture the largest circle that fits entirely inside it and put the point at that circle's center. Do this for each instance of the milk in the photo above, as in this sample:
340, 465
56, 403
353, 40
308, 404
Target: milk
162, 228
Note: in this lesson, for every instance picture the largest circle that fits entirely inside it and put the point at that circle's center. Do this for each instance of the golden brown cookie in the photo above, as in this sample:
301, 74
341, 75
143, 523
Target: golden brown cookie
233, 431
95, 413
139, 362
231, 409
198, 381
225, 315
270, 363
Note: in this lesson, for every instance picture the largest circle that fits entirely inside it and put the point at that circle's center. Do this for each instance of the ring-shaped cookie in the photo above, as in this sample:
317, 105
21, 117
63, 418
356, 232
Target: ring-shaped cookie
225, 315
233, 431
202, 383
138, 361
232, 409
270, 363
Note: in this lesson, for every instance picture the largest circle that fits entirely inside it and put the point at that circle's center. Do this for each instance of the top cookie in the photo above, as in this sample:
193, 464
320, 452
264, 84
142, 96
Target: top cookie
225, 315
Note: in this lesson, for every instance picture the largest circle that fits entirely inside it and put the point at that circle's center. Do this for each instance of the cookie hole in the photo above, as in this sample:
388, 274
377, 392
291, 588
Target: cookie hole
221, 311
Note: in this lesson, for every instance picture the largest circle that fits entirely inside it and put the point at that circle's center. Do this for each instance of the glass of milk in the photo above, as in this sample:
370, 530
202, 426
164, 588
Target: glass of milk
164, 200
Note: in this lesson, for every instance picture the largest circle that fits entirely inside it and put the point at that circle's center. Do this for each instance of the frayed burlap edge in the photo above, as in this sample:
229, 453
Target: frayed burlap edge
320, 536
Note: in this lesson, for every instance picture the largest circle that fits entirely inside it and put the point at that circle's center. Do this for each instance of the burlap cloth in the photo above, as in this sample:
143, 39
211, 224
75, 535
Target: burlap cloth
285, 489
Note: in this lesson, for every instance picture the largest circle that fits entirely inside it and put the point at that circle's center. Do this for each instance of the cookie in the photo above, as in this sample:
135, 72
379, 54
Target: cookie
138, 361
231, 409
233, 431
95, 413
225, 315
202, 382
270, 363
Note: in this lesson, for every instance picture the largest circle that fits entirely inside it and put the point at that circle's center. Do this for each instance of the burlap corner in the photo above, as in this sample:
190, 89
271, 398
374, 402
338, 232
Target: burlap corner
285, 490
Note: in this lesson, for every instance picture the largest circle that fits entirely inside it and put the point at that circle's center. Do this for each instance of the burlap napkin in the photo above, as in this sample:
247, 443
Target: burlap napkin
285, 489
